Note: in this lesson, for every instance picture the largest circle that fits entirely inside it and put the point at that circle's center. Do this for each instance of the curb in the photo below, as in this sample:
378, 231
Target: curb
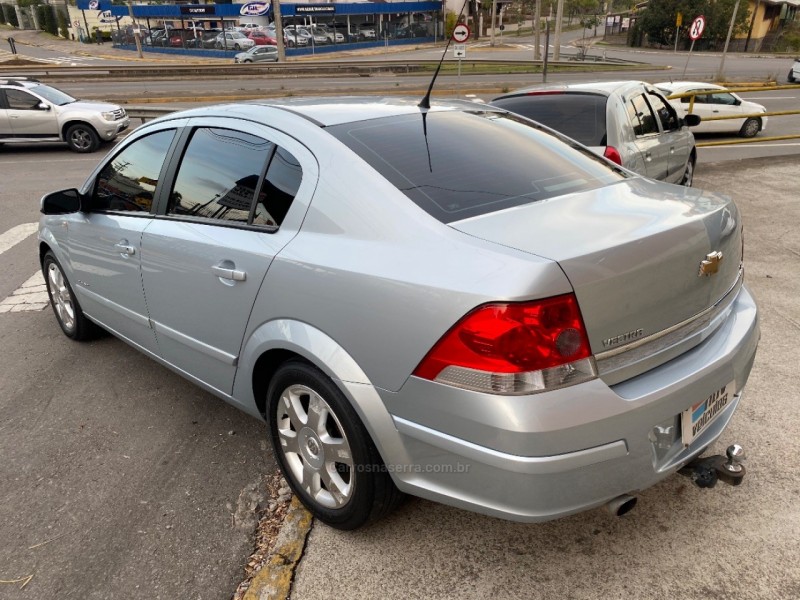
274, 580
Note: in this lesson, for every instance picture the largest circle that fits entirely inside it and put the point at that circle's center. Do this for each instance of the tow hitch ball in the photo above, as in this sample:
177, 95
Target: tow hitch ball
704, 472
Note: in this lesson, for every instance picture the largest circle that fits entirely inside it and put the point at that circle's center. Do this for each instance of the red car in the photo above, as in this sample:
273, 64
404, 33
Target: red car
261, 38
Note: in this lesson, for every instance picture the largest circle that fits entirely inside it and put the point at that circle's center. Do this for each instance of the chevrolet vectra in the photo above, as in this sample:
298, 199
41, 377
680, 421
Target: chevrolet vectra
452, 302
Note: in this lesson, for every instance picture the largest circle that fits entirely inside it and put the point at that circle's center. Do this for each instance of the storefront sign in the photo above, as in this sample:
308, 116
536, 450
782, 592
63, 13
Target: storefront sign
316, 9
254, 9
207, 9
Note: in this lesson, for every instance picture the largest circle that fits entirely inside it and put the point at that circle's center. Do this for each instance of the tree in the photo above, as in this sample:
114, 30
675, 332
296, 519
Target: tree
657, 21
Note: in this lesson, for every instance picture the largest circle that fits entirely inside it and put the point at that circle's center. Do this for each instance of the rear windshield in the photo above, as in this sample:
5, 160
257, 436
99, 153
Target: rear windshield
456, 165
579, 116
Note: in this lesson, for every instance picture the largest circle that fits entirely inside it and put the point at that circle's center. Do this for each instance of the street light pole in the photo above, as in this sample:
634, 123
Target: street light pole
721, 72
276, 8
559, 19
136, 35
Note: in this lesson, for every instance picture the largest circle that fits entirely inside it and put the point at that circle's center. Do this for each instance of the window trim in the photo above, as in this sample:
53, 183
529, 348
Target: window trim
305, 157
91, 188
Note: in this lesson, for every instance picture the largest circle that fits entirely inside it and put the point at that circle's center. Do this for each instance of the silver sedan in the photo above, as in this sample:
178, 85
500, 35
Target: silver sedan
451, 302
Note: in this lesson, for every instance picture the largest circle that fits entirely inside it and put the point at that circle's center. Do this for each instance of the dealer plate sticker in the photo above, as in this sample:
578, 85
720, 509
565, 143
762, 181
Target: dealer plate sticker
696, 420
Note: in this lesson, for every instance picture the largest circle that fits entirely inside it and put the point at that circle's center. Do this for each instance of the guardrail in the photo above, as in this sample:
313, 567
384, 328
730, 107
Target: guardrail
294, 67
741, 90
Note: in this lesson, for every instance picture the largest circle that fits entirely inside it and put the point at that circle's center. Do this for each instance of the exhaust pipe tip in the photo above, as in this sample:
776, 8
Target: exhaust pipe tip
621, 505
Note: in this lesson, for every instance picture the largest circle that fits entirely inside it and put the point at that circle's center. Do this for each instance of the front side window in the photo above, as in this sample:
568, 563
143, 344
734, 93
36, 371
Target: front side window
667, 116
723, 98
641, 117
219, 175
128, 183
19, 100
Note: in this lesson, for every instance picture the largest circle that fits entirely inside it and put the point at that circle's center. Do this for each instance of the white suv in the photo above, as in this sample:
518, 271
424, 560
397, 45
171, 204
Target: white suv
33, 112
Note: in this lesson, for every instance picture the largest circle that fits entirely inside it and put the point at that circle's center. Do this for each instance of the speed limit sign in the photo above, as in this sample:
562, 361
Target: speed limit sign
697, 27
461, 33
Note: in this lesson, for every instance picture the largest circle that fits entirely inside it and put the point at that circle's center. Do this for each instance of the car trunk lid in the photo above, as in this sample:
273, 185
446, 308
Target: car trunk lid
632, 251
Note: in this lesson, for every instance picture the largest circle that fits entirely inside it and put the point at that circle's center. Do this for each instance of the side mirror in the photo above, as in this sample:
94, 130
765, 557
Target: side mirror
43, 106
691, 120
61, 203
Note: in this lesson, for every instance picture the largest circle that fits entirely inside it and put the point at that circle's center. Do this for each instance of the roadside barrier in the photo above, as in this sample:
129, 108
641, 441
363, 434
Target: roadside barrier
741, 90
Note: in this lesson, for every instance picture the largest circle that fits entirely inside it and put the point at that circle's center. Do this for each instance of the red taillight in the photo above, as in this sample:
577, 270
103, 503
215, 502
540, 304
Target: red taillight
613, 155
512, 338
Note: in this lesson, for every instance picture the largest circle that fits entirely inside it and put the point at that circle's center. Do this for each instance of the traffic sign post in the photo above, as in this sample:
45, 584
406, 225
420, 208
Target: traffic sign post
678, 23
695, 31
459, 52
461, 33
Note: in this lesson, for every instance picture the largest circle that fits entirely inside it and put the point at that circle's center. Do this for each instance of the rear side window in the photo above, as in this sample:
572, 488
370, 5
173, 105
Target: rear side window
457, 165
641, 117
219, 175
579, 116
234, 177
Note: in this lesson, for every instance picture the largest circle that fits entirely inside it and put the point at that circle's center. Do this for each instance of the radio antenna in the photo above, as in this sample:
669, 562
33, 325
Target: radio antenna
426, 100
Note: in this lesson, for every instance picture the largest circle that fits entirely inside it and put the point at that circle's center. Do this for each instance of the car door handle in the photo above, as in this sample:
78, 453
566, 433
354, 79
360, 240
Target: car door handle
124, 248
227, 273
648, 156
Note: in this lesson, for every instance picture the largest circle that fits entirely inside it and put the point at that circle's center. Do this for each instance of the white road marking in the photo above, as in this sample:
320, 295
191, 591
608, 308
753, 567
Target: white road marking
739, 146
15, 235
30, 296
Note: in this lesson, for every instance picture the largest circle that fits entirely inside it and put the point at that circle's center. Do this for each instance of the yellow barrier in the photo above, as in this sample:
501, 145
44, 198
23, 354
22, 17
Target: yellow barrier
739, 90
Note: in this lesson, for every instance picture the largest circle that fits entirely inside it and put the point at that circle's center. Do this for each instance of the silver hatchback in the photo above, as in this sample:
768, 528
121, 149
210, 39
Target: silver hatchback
453, 302
628, 122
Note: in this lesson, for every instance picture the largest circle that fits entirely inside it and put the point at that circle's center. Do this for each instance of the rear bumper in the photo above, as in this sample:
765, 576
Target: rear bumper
534, 458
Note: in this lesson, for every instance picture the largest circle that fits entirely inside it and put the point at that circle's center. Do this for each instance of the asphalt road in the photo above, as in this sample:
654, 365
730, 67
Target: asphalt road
119, 478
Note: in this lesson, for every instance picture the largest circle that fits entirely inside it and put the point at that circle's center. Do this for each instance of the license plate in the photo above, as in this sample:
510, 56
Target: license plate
696, 419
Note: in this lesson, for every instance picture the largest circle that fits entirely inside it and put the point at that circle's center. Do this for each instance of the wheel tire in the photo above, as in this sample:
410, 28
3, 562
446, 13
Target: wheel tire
82, 138
361, 489
688, 174
790, 77
247, 60
64, 304
750, 128
237, 47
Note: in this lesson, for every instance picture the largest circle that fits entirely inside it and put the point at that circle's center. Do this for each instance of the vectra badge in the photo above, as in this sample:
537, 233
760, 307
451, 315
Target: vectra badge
710, 265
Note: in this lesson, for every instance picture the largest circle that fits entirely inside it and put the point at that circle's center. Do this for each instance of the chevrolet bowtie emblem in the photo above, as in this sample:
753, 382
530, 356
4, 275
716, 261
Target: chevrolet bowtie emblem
710, 265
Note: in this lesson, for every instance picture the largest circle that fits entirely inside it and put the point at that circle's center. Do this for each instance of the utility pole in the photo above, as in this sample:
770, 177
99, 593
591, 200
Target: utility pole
136, 35
557, 41
721, 72
276, 7
537, 36
494, 12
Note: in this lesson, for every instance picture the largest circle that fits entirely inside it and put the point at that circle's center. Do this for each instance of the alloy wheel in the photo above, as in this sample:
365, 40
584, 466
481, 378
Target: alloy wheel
314, 446
61, 297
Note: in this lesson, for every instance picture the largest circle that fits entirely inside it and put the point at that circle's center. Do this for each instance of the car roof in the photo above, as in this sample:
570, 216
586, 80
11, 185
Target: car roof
600, 87
328, 111
682, 85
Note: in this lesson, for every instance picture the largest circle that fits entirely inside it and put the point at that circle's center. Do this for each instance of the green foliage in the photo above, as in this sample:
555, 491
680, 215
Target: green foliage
2, 14
790, 40
449, 23
11, 15
47, 19
63, 23
657, 21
